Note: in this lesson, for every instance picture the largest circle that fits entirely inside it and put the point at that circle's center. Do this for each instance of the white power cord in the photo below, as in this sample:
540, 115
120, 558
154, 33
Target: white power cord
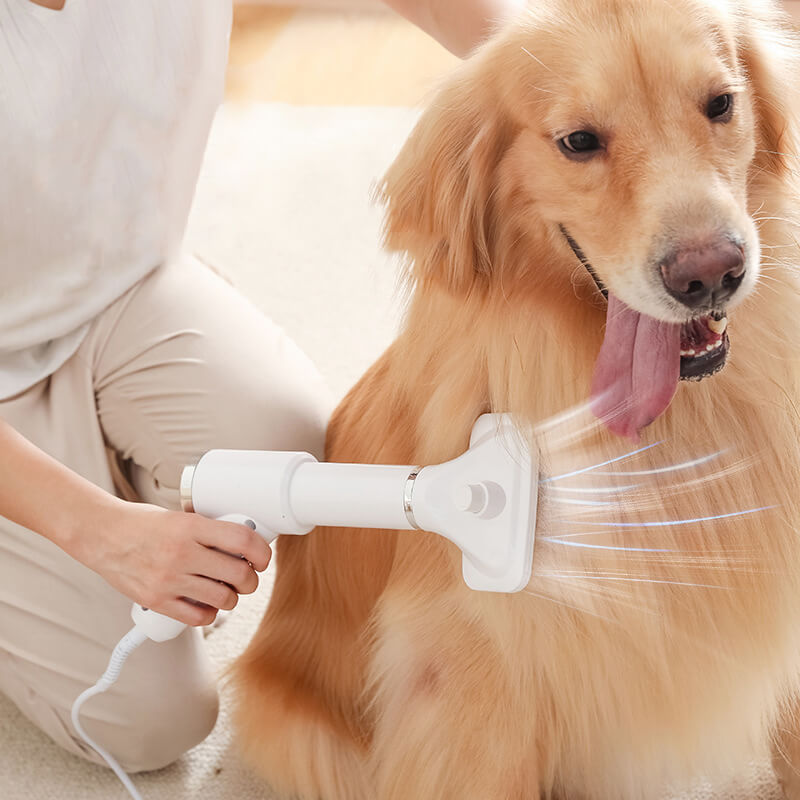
129, 642
149, 625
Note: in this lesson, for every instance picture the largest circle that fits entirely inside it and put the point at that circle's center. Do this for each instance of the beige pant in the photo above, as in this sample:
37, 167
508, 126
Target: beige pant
180, 364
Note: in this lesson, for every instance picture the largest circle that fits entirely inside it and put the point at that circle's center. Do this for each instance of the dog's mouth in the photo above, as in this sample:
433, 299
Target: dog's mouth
704, 346
642, 359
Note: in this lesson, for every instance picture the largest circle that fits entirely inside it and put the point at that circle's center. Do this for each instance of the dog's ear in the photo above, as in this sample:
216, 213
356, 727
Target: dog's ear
769, 53
438, 193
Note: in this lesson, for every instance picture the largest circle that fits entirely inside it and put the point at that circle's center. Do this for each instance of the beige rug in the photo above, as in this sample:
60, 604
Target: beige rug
282, 208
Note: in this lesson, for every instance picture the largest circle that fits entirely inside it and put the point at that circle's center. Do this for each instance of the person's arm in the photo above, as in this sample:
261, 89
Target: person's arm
156, 557
460, 25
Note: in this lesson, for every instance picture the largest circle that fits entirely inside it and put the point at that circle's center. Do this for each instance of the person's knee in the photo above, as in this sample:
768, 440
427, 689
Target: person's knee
164, 736
290, 412
151, 731
299, 425
165, 742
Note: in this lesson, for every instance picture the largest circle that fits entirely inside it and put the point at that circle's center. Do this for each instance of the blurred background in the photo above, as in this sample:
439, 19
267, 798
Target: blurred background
332, 52
349, 52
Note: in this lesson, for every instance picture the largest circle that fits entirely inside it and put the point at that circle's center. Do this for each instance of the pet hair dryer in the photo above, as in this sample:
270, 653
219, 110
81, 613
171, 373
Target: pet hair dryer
484, 502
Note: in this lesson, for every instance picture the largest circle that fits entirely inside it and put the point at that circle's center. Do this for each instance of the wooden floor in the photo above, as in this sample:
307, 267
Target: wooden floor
318, 57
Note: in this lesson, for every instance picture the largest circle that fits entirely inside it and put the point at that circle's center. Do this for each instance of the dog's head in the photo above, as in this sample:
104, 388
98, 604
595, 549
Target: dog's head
629, 134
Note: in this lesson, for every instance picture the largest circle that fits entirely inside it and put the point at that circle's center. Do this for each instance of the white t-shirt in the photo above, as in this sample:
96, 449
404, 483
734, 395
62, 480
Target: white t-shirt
105, 109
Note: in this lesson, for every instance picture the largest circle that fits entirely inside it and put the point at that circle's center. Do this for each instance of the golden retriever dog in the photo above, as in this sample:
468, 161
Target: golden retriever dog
646, 148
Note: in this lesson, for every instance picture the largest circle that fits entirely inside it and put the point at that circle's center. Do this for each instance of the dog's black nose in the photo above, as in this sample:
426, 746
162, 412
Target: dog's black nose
703, 275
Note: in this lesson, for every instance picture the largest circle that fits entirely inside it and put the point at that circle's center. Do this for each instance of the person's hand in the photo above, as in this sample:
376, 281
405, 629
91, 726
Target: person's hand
183, 565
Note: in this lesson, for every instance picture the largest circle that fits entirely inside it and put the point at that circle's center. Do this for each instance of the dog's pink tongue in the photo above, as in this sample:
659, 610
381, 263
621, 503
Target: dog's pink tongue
637, 371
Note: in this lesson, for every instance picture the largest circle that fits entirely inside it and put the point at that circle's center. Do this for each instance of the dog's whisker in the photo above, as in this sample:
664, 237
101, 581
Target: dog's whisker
774, 272
771, 282
778, 283
773, 266
771, 258
775, 290
786, 220
773, 279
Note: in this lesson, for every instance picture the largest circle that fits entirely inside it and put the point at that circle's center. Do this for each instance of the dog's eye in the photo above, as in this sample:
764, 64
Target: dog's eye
720, 108
579, 144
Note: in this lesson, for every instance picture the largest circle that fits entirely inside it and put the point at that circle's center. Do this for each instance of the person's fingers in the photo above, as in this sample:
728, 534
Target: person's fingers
189, 613
234, 571
235, 539
209, 592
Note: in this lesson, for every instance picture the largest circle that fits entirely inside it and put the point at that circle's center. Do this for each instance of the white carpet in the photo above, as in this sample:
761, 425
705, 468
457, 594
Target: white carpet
283, 209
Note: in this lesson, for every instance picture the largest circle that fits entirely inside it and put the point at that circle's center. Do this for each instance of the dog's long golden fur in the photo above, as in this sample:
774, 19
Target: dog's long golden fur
376, 673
